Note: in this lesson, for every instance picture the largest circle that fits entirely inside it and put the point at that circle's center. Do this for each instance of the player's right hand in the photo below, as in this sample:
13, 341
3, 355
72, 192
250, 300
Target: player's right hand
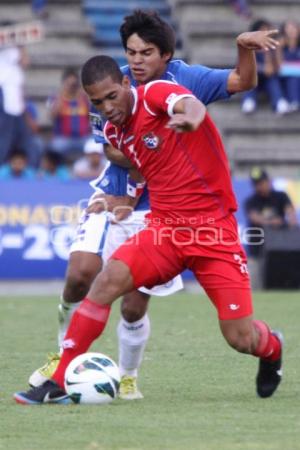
181, 123
258, 40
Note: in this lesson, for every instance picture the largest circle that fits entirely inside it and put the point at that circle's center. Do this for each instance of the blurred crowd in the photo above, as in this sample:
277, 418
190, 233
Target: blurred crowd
67, 151
278, 71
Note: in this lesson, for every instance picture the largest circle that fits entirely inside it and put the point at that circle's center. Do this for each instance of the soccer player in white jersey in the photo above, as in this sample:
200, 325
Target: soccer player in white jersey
149, 44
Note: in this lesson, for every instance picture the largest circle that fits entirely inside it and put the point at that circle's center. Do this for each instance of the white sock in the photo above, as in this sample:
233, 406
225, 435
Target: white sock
65, 313
133, 337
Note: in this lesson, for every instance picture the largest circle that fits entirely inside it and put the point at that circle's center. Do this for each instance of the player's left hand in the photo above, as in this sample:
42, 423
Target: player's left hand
97, 204
121, 212
120, 206
258, 40
181, 124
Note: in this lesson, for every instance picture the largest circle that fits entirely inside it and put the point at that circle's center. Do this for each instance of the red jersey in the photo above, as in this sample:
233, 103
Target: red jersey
187, 174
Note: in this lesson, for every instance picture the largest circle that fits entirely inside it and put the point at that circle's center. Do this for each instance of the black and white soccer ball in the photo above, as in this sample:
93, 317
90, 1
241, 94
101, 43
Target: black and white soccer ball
92, 378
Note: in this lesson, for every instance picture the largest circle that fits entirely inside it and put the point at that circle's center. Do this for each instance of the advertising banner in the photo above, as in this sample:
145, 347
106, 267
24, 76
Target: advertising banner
38, 220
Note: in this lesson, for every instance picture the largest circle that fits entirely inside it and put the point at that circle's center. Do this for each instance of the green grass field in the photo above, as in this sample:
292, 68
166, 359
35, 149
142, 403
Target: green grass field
199, 394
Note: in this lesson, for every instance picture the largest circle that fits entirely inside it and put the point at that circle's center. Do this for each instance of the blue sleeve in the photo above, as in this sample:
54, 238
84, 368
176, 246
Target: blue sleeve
113, 181
208, 85
97, 125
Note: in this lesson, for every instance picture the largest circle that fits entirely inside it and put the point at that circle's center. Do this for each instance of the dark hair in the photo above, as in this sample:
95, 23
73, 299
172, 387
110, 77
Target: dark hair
70, 72
257, 175
98, 68
258, 24
149, 27
19, 153
53, 157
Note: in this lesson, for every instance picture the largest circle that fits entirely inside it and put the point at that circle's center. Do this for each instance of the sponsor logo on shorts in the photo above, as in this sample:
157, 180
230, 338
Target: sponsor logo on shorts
234, 307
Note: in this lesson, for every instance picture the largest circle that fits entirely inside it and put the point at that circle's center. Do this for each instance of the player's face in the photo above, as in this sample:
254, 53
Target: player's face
144, 59
18, 164
113, 100
263, 187
71, 84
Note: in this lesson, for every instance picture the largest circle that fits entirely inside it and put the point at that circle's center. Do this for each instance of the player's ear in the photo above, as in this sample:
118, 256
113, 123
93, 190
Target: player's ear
166, 57
126, 82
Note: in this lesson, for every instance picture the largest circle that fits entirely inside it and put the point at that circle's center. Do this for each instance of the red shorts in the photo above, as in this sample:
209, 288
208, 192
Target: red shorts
213, 253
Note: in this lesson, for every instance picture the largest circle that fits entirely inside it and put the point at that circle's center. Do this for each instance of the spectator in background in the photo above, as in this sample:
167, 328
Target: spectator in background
70, 114
17, 167
39, 8
31, 120
267, 207
31, 116
241, 7
13, 127
291, 54
268, 64
53, 167
92, 163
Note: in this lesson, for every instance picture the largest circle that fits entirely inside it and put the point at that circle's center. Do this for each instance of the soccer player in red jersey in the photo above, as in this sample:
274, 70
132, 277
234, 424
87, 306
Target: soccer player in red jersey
169, 137
149, 44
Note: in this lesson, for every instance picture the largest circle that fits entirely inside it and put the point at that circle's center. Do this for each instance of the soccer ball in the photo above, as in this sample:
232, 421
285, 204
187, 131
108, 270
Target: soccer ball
92, 378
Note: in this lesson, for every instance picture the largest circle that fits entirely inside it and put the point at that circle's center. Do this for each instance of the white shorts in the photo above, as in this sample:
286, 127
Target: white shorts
96, 234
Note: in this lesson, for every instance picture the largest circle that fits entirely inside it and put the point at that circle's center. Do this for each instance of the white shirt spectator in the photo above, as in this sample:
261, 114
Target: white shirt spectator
92, 163
12, 80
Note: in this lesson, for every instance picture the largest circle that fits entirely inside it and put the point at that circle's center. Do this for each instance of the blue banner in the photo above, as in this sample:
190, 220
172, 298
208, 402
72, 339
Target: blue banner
37, 223
38, 220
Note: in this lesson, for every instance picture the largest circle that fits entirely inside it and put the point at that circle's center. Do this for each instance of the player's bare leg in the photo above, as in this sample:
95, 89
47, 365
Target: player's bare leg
82, 270
133, 334
240, 334
134, 326
87, 323
255, 337
133, 329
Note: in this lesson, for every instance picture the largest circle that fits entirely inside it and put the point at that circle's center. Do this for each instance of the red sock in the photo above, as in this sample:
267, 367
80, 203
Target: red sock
269, 346
87, 324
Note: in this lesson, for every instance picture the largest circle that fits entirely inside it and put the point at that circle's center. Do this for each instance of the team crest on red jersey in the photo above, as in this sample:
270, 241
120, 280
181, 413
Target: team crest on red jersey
151, 141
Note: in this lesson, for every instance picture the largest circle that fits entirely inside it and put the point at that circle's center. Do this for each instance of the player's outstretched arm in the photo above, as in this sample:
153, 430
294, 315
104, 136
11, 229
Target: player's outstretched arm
244, 76
189, 113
